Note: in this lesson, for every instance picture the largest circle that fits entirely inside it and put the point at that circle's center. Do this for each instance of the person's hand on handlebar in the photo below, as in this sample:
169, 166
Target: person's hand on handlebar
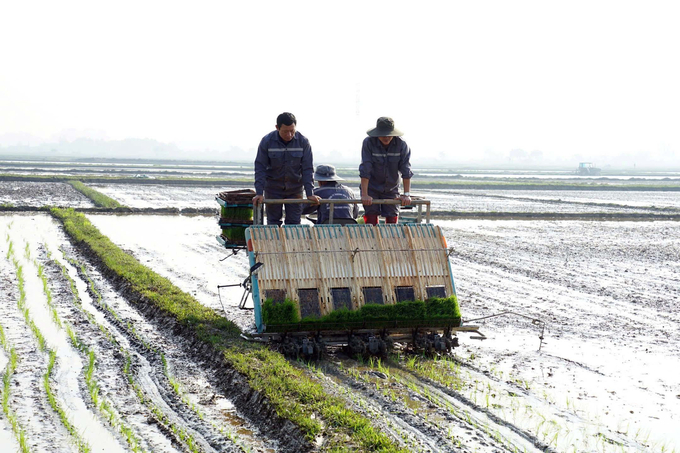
366, 200
316, 199
405, 200
257, 199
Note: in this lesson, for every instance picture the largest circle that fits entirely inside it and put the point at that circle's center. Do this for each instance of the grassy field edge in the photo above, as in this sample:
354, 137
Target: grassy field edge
98, 198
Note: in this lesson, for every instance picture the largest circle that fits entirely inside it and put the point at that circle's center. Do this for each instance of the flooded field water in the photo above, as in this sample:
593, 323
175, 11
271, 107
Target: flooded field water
604, 378
528, 201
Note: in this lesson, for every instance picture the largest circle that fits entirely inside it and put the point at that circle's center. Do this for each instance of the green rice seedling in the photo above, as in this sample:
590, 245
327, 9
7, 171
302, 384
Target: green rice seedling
21, 303
383, 369
277, 315
48, 294
102, 405
51, 398
411, 363
18, 431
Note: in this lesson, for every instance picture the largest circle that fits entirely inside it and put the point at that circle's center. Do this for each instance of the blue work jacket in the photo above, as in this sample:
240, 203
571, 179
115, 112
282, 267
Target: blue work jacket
382, 166
333, 191
284, 167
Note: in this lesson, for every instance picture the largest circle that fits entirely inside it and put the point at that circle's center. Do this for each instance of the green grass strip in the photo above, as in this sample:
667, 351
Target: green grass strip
158, 290
98, 198
297, 397
293, 394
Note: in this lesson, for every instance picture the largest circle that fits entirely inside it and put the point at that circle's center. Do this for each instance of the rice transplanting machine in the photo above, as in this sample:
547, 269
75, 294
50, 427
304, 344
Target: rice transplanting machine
363, 287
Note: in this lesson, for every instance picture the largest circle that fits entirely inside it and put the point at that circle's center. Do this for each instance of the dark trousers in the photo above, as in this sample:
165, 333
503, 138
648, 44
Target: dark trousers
385, 210
275, 211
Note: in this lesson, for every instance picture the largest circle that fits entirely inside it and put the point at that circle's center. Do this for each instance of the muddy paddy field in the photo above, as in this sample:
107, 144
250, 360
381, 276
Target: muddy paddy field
87, 368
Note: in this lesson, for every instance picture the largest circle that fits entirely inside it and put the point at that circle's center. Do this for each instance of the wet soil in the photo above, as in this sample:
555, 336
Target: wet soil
175, 388
601, 380
36, 194
570, 274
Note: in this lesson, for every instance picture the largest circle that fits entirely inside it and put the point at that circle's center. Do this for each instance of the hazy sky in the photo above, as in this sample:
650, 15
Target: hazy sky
461, 79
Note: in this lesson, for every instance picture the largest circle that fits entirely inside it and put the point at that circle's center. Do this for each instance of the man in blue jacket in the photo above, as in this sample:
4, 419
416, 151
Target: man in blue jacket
384, 156
330, 189
283, 168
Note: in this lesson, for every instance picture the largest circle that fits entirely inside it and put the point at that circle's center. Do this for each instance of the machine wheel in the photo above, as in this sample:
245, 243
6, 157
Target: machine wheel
319, 349
290, 348
389, 344
356, 346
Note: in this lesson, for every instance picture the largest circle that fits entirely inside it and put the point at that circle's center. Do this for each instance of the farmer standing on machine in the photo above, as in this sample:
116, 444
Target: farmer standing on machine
283, 168
384, 155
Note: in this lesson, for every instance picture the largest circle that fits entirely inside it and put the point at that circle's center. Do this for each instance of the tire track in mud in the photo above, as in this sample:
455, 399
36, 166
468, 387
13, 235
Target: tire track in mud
606, 292
96, 337
217, 429
39, 409
570, 202
478, 409
434, 417
177, 418
566, 268
118, 404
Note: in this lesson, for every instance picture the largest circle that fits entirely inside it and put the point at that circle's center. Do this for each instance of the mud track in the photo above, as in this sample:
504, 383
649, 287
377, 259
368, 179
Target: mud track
222, 376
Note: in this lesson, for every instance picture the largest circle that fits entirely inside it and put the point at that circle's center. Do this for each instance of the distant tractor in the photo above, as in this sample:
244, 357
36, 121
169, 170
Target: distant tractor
588, 169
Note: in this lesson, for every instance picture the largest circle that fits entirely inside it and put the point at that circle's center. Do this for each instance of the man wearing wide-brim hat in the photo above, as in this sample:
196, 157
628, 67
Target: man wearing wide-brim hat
330, 188
384, 156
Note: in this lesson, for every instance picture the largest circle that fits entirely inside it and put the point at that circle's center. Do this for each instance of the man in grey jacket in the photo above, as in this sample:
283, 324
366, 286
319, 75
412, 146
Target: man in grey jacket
283, 168
384, 156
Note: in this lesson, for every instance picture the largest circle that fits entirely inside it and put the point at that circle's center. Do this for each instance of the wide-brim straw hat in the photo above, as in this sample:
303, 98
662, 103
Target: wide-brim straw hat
326, 173
384, 128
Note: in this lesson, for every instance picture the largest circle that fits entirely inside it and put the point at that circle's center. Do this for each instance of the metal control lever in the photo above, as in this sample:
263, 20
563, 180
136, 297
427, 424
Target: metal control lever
247, 284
